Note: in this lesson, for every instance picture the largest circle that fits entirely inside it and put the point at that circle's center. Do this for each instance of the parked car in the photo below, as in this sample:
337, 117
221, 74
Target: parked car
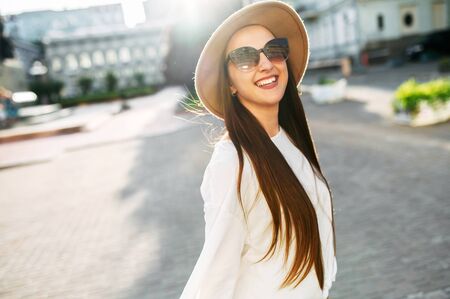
431, 46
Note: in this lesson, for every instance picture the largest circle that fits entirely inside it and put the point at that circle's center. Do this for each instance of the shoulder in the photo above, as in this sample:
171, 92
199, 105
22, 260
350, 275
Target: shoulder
224, 159
224, 149
224, 163
221, 176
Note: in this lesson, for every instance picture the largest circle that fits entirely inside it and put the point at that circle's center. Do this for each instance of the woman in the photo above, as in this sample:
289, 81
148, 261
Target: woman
269, 227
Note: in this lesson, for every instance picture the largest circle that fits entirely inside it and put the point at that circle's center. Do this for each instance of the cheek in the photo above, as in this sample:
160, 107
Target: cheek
239, 79
282, 68
283, 73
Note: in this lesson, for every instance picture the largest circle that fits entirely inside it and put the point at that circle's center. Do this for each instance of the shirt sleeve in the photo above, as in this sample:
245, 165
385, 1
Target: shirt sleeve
217, 269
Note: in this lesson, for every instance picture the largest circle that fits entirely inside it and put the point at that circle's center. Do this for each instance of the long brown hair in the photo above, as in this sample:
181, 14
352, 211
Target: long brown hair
288, 201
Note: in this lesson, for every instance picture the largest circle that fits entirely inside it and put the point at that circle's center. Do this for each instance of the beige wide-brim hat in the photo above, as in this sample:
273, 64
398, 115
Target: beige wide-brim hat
280, 18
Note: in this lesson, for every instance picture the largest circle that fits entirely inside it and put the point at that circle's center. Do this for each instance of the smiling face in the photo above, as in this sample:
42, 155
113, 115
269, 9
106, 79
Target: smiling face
263, 87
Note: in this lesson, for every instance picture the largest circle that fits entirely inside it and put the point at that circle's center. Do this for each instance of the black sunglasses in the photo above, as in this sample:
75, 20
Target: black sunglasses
247, 58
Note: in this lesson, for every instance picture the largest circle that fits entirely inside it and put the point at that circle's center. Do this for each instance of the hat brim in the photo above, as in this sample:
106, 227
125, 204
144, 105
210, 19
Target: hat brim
280, 18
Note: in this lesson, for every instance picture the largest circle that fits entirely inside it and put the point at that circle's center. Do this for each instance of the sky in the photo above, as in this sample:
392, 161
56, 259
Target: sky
133, 11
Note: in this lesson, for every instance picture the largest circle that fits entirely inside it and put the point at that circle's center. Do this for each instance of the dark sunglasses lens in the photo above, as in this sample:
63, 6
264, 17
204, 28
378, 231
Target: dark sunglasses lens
245, 58
277, 50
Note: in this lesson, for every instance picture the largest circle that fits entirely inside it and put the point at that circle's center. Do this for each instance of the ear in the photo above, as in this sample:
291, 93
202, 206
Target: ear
233, 89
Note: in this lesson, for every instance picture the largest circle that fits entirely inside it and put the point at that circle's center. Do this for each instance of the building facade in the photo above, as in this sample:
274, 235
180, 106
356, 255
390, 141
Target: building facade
122, 51
348, 28
91, 42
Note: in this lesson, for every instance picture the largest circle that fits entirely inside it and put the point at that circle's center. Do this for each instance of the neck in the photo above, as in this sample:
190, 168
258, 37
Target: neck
268, 117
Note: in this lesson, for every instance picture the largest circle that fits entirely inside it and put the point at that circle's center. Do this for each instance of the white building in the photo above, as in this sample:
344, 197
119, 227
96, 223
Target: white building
120, 50
339, 28
91, 42
387, 20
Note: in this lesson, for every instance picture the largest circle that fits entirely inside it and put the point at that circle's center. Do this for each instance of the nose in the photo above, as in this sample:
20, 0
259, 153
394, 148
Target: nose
264, 62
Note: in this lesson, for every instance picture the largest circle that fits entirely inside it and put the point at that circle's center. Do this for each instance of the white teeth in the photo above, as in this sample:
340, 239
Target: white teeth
266, 81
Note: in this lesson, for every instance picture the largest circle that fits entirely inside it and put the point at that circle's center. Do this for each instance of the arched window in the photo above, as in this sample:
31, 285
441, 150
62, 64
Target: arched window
56, 64
111, 56
71, 62
124, 55
98, 58
85, 60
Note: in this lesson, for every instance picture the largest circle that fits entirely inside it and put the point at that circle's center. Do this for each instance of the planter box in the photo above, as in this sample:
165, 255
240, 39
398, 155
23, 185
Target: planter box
329, 93
427, 115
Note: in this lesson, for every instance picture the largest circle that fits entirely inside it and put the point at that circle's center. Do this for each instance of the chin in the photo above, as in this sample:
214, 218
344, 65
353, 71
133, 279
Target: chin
272, 98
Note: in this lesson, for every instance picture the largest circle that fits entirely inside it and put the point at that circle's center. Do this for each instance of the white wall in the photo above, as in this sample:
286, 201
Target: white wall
393, 12
333, 33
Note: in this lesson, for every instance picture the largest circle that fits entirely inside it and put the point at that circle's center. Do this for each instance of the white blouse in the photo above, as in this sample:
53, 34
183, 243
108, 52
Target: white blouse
226, 267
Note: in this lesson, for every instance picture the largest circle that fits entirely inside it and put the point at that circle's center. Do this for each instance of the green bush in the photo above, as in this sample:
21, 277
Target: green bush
410, 93
139, 79
50, 89
97, 97
56, 87
136, 92
85, 84
111, 81
323, 80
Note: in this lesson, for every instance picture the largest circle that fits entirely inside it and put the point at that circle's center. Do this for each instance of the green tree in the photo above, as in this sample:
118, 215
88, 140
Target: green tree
56, 87
85, 84
111, 81
41, 89
139, 79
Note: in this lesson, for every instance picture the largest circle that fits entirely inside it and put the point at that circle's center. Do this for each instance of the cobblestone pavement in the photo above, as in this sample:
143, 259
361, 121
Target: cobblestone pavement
149, 115
125, 219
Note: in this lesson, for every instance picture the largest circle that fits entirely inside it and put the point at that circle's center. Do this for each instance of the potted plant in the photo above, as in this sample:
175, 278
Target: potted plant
328, 90
421, 104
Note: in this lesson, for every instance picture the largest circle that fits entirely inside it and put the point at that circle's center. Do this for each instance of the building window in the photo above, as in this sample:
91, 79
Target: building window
56, 64
380, 22
71, 62
85, 60
409, 23
124, 55
98, 58
439, 15
408, 20
111, 56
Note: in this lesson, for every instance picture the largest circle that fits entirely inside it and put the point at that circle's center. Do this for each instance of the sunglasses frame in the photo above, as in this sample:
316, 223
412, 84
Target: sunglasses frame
283, 41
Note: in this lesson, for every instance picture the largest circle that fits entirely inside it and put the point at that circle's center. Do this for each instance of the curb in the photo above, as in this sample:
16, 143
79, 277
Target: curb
74, 126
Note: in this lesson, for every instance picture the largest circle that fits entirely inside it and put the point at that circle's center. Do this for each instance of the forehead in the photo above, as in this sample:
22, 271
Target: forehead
254, 36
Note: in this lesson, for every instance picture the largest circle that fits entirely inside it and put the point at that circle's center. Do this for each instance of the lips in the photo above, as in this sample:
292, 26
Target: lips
266, 81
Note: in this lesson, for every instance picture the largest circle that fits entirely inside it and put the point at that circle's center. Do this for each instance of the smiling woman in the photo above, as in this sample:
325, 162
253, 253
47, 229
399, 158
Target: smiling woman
269, 225
260, 92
